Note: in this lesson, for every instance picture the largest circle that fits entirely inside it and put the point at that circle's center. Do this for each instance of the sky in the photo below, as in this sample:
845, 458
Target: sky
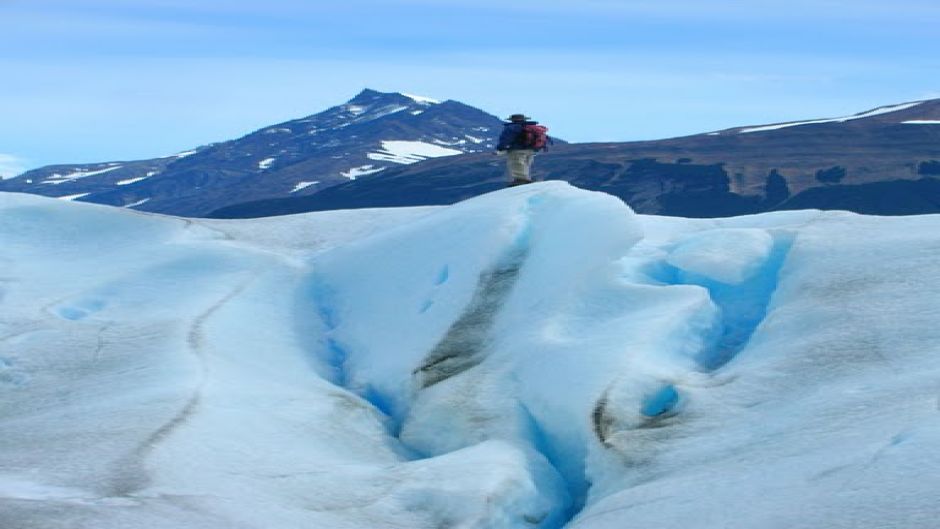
108, 80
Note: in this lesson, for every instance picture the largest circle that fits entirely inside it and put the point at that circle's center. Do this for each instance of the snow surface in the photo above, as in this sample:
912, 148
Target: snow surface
871, 113
539, 356
376, 113
409, 152
303, 185
362, 170
355, 110
137, 203
422, 99
57, 178
726, 255
130, 181
73, 197
922, 122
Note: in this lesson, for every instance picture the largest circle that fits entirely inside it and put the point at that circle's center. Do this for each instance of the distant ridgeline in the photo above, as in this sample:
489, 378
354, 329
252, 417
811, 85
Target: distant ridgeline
367, 135
391, 149
884, 162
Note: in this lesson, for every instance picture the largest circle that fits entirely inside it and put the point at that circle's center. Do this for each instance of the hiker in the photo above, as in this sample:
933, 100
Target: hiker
520, 140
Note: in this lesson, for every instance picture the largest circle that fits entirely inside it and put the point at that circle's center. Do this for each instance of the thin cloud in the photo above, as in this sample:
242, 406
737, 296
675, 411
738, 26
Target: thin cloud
11, 166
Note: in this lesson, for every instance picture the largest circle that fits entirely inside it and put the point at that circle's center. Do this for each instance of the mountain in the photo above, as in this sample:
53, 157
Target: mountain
369, 134
884, 161
540, 357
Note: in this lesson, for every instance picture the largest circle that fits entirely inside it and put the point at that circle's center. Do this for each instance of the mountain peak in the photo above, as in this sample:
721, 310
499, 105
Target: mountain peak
369, 96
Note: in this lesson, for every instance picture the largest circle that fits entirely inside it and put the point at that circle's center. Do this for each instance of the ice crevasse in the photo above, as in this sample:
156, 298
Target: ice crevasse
613, 350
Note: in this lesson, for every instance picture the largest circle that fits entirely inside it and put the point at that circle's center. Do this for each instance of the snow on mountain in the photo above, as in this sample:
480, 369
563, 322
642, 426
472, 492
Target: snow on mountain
303, 185
422, 99
138, 203
871, 113
362, 170
409, 152
536, 357
373, 128
130, 181
73, 197
57, 178
883, 162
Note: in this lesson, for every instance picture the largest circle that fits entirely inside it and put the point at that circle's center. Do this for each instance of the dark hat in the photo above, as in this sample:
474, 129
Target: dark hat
518, 117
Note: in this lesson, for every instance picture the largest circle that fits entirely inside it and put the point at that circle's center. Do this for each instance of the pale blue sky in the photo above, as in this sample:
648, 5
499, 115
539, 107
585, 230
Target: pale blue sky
100, 80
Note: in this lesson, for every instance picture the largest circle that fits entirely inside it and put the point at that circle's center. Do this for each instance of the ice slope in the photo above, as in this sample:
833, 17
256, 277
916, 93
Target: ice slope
535, 357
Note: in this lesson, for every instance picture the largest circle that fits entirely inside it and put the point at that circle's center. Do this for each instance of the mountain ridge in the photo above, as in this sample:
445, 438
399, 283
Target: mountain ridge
849, 162
377, 149
367, 134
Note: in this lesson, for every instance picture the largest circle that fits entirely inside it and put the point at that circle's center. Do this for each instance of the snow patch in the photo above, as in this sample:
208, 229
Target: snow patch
73, 197
409, 152
355, 110
454, 141
362, 170
130, 181
386, 111
363, 113
303, 185
137, 203
266, 163
875, 112
922, 122
57, 178
421, 99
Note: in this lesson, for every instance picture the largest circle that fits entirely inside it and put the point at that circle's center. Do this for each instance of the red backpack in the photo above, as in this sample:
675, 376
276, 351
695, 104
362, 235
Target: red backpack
534, 136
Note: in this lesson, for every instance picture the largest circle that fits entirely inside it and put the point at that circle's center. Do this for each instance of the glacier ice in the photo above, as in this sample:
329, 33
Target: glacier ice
536, 357
730, 255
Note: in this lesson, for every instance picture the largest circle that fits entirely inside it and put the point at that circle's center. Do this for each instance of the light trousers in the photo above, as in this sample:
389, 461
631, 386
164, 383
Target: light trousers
519, 163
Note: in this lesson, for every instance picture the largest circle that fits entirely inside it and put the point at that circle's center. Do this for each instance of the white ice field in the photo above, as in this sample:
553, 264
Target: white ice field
538, 357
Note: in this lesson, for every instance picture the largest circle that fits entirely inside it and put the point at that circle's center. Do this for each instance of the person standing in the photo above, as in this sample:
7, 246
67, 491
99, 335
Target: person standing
520, 140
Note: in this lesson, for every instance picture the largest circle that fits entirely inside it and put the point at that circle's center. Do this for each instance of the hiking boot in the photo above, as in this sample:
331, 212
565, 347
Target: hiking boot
519, 182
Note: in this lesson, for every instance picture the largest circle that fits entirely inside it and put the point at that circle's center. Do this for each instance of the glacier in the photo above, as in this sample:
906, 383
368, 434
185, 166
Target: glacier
537, 357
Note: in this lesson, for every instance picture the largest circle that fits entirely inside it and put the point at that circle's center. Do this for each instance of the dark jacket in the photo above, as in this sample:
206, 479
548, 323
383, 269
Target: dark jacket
511, 138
